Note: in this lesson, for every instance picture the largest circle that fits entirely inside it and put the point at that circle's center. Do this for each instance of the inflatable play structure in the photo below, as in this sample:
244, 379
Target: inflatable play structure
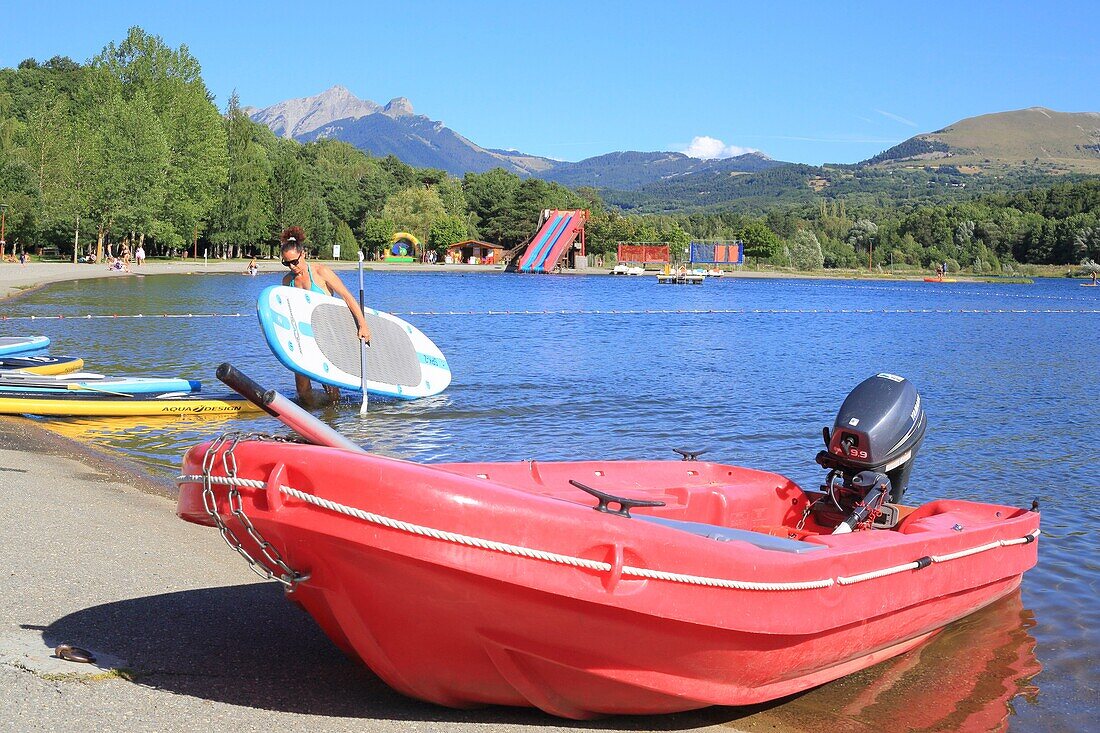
559, 238
403, 248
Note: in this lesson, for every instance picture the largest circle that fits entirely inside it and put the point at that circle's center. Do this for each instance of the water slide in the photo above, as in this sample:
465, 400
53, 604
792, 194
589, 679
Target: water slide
559, 230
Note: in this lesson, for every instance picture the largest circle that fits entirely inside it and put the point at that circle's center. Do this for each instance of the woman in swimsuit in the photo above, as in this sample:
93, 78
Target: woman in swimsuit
319, 279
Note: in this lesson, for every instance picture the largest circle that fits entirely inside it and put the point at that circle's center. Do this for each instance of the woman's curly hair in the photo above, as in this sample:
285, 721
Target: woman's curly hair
293, 237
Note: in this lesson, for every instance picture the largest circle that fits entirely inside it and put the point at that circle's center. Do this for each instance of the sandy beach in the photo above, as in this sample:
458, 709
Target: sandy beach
16, 279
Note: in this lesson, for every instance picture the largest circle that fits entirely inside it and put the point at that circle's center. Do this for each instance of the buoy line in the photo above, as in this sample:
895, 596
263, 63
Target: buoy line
953, 291
627, 312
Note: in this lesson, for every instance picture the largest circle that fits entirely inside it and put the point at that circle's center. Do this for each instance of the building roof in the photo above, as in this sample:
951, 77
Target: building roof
475, 243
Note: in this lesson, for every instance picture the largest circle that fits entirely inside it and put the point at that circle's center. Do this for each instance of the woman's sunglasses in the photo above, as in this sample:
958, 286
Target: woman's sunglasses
292, 263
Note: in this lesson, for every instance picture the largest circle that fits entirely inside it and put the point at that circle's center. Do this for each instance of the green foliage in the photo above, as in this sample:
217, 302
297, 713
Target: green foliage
760, 241
446, 231
414, 210
246, 213
838, 255
349, 248
377, 233
805, 251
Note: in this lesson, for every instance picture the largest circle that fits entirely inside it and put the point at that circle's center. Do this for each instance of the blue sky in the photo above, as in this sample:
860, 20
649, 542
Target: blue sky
805, 82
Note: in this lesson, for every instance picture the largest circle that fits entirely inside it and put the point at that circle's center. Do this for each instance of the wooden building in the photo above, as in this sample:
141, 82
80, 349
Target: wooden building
474, 252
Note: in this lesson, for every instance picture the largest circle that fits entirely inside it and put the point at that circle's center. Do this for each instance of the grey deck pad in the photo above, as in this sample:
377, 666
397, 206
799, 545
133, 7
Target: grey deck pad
391, 358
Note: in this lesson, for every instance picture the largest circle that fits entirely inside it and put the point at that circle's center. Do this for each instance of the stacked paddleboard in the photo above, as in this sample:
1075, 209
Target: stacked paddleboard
41, 364
50, 385
81, 383
23, 345
316, 335
102, 405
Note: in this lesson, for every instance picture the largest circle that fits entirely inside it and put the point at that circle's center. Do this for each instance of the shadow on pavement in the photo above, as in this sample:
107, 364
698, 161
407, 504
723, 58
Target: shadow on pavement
246, 645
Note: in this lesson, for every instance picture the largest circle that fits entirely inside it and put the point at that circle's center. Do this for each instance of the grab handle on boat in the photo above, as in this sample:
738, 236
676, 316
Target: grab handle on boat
689, 455
625, 504
288, 413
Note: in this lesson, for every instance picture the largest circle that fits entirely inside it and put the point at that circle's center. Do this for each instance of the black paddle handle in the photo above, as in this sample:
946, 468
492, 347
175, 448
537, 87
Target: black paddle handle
244, 385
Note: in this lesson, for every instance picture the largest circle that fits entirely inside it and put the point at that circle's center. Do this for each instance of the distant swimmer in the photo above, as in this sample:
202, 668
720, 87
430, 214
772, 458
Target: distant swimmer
252, 268
319, 279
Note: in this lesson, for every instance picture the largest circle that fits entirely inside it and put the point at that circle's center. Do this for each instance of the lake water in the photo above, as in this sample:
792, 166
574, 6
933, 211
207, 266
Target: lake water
1008, 373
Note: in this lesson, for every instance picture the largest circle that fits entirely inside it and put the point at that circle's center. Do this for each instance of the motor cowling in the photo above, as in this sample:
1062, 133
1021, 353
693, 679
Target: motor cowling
878, 430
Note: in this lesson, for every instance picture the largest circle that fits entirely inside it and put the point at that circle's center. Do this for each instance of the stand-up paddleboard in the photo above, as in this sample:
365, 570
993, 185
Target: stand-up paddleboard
315, 335
22, 345
87, 382
101, 405
41, 364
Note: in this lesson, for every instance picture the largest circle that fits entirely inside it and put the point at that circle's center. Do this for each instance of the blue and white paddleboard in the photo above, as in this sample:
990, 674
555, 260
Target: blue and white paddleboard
22, 345
88, 382
315, 335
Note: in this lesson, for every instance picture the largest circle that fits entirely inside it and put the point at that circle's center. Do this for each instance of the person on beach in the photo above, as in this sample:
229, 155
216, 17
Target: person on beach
139, 255
319, 279
252, 267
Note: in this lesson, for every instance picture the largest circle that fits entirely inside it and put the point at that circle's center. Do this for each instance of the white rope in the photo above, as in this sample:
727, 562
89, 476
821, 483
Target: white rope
853, 579
580, 562
983, 548
916, 565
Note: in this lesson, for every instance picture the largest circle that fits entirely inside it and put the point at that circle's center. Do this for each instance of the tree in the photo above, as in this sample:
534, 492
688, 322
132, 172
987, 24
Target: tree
245, 214
46, 146
760, 241
414, 210
445, 231
838, 255
198, 158
491, 198
348, 246
377, 233
131, 162
805, 250
862, 235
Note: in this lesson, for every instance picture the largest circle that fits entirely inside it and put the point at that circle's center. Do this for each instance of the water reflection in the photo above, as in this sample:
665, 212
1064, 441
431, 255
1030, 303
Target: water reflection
144, 439
969, 679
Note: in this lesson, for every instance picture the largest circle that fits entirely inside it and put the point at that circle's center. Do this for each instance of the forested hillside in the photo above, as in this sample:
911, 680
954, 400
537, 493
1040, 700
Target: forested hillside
130, 146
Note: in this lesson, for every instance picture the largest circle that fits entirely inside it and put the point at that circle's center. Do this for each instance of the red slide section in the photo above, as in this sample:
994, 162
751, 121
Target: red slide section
574, 225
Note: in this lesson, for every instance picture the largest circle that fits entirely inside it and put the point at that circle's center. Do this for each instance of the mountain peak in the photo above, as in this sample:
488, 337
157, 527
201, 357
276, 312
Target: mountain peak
299, 116
398, 107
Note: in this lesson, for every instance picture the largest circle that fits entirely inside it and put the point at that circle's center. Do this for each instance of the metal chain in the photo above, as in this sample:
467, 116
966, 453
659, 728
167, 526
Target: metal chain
282, 572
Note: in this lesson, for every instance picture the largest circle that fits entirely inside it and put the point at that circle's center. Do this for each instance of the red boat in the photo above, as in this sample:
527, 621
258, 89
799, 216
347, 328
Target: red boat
692, 584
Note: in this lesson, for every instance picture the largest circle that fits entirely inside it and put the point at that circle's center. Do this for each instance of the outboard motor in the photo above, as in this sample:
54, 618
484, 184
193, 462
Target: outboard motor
870, 452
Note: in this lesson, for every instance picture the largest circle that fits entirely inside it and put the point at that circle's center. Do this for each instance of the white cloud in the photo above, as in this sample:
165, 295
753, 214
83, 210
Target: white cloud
708, 148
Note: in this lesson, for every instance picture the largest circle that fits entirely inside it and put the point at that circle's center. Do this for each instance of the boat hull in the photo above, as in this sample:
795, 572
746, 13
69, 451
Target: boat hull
438, 602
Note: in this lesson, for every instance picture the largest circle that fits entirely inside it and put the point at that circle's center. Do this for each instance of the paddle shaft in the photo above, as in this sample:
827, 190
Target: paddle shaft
362, 344
287, 412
